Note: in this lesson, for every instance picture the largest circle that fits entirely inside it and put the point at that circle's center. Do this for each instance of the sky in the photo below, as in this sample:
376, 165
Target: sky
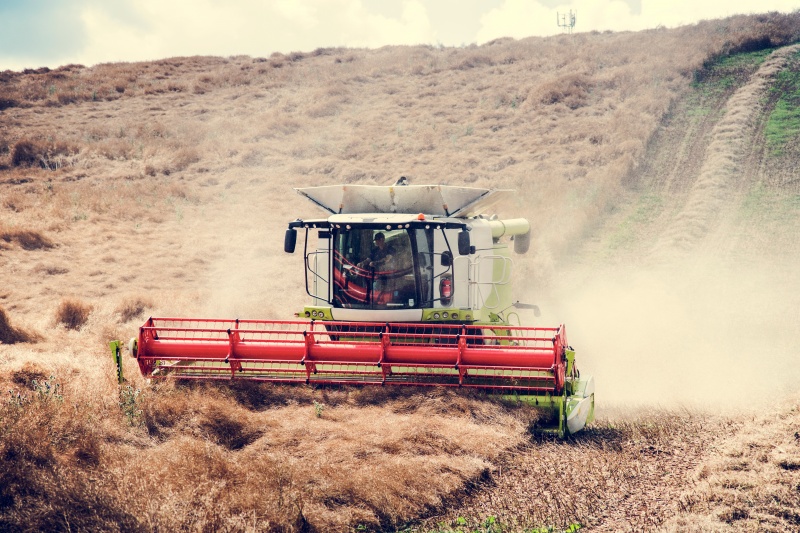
38, 33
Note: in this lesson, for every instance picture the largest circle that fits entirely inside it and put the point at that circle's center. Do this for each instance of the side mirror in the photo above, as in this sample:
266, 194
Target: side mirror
290, 241
447, 259
463, 242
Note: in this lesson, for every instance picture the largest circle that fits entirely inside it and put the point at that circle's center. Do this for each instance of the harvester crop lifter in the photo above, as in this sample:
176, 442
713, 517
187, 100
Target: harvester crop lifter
409, 285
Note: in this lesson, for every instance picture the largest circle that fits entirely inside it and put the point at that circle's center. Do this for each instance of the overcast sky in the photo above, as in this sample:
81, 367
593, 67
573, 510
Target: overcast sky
35, 33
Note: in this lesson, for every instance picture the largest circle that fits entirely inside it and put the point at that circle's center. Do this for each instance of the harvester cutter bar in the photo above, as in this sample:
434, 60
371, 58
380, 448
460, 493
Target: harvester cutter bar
493, 356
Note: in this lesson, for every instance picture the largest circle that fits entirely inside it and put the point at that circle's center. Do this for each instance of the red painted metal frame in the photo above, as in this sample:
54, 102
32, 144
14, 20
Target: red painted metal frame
508, 358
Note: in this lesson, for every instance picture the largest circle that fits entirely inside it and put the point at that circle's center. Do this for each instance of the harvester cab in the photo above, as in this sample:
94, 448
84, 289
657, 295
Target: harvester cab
421, 254
408, 285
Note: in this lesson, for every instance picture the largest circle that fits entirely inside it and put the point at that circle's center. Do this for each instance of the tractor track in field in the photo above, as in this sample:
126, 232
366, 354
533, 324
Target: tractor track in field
731, 159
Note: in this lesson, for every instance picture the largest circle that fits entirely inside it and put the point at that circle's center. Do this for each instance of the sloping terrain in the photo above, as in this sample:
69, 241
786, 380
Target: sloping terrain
658, 170
691, 274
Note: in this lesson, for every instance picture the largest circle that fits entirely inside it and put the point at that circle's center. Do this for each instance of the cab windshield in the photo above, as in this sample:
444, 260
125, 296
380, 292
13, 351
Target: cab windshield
382, 269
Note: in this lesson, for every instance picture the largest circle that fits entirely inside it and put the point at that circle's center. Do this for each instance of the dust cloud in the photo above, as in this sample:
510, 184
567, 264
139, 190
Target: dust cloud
706, 311
249, 276
696, 333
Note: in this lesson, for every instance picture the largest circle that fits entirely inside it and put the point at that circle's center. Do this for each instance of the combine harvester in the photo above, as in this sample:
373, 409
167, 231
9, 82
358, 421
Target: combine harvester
409, 285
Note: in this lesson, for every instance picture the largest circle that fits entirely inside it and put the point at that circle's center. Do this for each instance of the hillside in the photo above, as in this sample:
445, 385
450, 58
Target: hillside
659, 172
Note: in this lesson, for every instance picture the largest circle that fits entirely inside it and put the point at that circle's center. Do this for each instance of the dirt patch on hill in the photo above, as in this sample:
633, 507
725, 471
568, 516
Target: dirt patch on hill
10, 334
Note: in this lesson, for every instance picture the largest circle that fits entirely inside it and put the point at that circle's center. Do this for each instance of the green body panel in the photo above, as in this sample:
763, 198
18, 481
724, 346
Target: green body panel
444, 315
116, 353
317, 312
570, 354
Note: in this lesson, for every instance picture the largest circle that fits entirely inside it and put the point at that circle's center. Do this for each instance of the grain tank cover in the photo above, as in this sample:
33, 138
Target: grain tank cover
435, 200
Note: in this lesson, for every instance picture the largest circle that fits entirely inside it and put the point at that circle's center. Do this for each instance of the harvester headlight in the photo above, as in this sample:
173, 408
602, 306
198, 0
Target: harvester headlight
454, 316
445, 315
314, 313
308, 314
436, 315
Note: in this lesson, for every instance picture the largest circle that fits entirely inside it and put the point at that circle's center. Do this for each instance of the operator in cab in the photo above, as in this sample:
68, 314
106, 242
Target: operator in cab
379, 259
380, 255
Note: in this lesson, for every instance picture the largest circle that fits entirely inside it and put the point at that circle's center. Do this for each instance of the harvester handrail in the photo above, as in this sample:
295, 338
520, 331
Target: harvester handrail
483, 300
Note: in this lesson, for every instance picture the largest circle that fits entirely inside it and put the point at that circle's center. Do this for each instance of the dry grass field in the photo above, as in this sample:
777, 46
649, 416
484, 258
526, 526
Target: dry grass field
659, 172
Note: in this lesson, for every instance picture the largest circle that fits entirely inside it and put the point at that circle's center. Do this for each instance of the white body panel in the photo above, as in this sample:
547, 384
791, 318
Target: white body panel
462, 293
377, 315
576, 420
579, 414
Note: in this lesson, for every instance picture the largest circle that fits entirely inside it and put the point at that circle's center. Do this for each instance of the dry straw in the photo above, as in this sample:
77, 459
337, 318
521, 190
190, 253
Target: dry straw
72, 313
11, 335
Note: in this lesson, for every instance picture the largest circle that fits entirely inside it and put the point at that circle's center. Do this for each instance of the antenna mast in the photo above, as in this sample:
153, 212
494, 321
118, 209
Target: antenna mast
566, 21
